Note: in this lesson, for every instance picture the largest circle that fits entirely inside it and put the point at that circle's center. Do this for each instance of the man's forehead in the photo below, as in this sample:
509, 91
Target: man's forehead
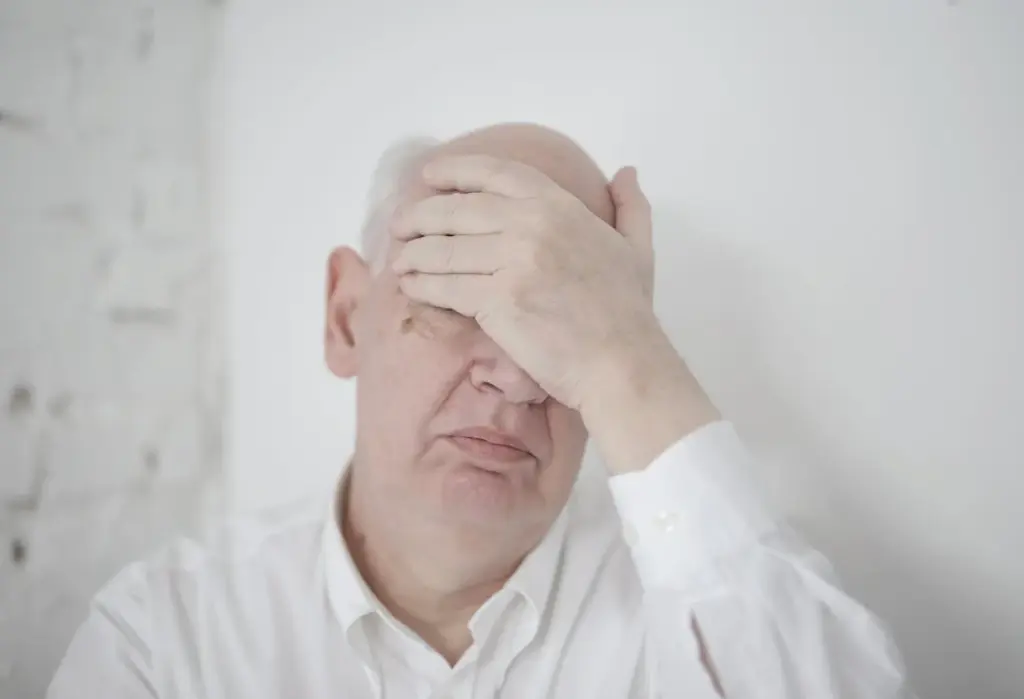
555, 155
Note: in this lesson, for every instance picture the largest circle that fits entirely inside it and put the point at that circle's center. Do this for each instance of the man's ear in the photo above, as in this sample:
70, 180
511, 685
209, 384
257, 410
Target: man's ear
348, 278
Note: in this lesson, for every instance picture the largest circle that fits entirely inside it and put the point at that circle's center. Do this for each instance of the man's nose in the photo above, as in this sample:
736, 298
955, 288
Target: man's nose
493, 370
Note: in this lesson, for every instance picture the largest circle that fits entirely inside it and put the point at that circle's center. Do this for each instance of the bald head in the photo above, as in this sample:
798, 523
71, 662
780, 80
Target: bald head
550, 151
553, 153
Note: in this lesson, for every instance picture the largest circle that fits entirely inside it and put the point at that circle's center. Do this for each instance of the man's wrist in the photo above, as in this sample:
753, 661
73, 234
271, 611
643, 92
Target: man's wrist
641, 400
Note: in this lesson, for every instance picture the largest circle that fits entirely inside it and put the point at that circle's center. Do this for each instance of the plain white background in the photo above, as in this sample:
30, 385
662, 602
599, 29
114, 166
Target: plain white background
839, 191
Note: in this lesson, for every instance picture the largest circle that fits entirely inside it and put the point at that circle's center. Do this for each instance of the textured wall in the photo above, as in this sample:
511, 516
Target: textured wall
109, 305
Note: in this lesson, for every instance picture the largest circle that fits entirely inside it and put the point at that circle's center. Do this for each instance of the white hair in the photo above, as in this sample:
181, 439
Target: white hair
397, 166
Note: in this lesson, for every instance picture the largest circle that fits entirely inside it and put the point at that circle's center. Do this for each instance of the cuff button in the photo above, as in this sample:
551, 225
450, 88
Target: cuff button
666, 521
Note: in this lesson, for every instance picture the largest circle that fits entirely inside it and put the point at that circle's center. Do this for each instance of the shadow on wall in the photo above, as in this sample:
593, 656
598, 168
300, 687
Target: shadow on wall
716, 305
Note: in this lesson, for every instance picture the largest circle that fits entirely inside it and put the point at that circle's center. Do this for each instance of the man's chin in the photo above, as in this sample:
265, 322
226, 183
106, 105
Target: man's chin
481, 496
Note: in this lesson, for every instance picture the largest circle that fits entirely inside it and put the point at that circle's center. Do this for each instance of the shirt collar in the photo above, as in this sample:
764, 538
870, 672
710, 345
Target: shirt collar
351, 598
535, 576
349, 595
533, 581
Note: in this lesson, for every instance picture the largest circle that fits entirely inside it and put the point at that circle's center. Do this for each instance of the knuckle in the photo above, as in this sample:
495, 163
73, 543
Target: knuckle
503, 169
497, 167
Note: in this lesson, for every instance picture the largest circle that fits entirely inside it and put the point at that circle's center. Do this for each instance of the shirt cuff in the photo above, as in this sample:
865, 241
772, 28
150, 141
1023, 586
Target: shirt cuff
689, 514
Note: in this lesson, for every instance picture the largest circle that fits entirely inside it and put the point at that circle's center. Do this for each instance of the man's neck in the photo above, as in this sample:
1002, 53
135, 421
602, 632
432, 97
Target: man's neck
432, 581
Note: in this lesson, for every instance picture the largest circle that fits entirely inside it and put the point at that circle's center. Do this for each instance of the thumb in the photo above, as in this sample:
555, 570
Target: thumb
632, 210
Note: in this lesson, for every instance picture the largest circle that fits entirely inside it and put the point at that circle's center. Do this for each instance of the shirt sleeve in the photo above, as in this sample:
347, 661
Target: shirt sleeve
108, 655
773, 619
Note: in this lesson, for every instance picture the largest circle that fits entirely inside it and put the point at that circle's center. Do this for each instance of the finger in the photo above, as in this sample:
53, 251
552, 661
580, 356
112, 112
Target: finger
450, 254
461, 293
452, 214
632, 209
485, 173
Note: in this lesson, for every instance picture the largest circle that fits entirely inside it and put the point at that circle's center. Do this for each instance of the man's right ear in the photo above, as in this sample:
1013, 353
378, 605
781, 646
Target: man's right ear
348, 278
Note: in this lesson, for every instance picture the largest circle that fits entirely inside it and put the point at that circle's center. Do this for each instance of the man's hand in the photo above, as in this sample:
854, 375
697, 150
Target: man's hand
563, 293
568, 297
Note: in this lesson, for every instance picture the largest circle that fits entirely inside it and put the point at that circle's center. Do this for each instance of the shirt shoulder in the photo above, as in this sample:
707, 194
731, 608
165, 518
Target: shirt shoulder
207, 612
272, 549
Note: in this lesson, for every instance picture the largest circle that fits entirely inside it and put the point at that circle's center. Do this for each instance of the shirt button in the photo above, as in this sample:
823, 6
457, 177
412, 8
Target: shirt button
666, 521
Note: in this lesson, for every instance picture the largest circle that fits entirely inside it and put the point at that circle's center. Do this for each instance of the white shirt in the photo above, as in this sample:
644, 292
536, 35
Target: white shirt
276, 608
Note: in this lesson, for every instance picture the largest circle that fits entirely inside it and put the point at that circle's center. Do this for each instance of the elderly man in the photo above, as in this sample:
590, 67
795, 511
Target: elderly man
502, 315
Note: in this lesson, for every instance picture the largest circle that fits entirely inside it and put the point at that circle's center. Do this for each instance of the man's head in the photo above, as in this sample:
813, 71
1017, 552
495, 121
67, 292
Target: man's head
449, 429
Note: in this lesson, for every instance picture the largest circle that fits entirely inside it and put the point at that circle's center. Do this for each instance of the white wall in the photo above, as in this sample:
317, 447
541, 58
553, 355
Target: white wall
840, 201
109, 323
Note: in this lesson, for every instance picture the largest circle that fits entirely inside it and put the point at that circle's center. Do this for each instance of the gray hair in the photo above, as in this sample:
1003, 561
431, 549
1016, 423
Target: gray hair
397, 166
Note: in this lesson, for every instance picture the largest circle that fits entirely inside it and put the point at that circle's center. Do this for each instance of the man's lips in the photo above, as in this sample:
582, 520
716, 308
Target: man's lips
490, 444
494, 436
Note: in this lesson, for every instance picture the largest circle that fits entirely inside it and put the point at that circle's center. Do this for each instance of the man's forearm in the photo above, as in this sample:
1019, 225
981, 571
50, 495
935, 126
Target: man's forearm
641, 401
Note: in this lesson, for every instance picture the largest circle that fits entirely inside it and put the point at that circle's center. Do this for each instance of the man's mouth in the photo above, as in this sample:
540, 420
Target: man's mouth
490, 444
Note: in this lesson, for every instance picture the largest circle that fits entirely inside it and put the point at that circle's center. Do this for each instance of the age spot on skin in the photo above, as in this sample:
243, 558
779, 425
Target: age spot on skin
437, 324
